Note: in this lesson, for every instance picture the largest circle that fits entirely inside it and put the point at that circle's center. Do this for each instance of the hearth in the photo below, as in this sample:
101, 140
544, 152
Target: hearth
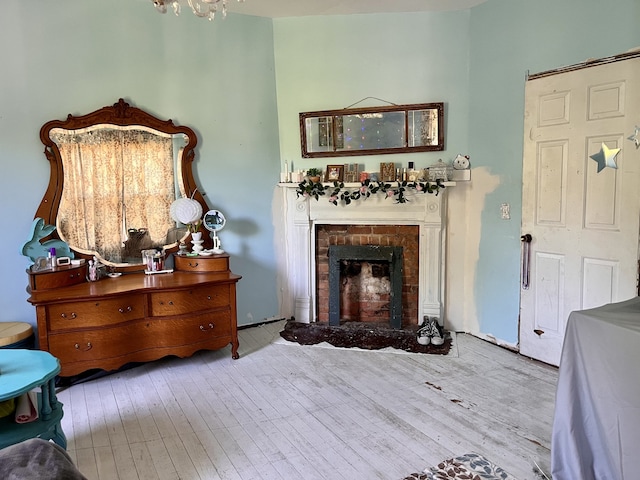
369, 336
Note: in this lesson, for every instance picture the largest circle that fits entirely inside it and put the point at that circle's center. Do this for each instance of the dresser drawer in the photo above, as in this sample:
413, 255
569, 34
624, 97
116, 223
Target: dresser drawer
140, 341
188, 301
192, 329
62, 276
214, 263
108, 348
79, 346
96, 313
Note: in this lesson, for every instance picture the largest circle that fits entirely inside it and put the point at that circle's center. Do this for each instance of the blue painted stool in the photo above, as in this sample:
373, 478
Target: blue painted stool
20, 372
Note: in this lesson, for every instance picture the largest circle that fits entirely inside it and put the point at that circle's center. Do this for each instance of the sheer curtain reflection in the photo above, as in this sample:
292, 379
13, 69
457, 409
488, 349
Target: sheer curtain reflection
118, 187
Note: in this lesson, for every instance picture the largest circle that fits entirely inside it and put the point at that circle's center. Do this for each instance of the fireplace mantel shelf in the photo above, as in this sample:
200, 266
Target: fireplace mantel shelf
355, 184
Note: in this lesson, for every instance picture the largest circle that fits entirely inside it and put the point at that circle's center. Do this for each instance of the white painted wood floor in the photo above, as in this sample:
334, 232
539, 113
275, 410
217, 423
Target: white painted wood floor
284, 411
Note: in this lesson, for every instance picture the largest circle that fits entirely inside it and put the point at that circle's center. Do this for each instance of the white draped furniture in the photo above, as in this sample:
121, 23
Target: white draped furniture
596, 426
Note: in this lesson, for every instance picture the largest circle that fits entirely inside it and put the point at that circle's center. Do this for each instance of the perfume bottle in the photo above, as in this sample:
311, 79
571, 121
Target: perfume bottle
412, 174
52, 262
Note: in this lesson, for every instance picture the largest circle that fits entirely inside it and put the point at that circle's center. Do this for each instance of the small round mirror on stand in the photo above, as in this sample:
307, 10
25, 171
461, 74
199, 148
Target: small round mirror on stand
214, 221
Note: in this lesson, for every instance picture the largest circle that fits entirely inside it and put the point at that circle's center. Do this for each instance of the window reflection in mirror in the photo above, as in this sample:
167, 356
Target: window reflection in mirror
373, 130
319, 134
120, 180
423, 127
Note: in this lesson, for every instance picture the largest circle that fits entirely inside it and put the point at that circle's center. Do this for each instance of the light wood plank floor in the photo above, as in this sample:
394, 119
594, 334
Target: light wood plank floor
284, 411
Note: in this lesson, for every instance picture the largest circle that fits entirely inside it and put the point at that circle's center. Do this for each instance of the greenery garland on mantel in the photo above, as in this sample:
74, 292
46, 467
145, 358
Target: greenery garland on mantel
338, 193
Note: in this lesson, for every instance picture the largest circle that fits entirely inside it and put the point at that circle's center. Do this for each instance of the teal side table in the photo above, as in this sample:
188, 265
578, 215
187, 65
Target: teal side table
20, 372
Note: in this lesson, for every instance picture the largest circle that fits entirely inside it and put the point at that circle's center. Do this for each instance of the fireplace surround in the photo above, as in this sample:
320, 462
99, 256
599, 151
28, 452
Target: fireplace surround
296, 220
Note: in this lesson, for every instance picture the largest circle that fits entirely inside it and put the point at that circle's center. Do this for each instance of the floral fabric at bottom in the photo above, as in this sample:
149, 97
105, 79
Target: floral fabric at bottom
470, 466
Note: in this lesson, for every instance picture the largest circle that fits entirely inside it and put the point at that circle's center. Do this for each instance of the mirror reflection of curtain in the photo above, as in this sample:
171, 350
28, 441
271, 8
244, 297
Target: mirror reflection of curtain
115, 181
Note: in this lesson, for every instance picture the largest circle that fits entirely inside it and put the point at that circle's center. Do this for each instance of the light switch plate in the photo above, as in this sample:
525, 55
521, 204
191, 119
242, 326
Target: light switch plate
505, 213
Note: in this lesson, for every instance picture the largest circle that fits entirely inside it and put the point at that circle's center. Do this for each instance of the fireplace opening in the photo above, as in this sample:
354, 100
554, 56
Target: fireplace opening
348, 259
405, 237
365, 290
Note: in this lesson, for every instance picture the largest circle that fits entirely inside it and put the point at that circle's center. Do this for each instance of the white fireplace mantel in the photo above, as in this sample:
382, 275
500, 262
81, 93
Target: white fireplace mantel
295, 220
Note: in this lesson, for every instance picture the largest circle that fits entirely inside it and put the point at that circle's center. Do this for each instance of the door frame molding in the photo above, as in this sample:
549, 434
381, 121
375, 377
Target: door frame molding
585, 64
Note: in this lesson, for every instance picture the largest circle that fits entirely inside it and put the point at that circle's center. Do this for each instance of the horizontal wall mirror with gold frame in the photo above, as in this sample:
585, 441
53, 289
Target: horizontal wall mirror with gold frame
417, 127
114, 175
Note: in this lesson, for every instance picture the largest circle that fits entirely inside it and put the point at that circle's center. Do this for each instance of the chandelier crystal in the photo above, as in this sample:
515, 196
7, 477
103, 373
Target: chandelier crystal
200, 8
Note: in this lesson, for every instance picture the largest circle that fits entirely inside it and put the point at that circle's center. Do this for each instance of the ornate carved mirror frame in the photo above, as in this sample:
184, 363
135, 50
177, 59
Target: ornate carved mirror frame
118, 116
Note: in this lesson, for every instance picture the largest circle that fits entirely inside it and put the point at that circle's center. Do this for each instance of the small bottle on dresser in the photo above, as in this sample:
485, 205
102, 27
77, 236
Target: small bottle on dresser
51, 258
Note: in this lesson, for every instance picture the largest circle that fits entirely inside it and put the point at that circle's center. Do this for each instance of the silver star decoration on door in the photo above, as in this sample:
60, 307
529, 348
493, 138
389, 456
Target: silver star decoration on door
606, 157
635, 138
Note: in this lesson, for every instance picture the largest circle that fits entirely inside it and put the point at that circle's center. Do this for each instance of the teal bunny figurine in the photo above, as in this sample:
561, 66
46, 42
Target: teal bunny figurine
33, 248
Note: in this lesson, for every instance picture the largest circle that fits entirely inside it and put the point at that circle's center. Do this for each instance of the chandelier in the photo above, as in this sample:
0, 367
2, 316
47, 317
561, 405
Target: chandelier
200, 8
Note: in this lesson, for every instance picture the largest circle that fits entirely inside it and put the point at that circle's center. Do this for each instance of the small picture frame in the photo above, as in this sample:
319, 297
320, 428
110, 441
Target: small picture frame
334, 173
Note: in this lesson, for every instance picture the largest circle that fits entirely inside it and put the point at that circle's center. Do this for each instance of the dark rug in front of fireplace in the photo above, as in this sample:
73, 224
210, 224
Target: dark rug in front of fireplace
365, 335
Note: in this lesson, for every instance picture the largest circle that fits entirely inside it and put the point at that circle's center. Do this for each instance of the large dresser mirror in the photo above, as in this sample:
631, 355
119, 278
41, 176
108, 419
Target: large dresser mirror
114, 174
417, 127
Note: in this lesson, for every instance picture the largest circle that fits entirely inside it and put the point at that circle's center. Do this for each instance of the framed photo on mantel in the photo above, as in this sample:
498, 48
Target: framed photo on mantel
334, 173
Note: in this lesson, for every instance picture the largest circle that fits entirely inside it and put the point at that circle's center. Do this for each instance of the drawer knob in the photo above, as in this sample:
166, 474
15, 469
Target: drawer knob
202, 327
125, 310
193, 265
85, 349
72, 316
211, 325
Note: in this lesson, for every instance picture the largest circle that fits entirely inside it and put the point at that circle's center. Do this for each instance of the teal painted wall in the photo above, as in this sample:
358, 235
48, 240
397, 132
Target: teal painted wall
74, 56
331, 62
509, 38
241, 82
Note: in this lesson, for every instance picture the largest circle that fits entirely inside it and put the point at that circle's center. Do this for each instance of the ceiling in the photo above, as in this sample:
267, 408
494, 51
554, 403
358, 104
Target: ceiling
301, 8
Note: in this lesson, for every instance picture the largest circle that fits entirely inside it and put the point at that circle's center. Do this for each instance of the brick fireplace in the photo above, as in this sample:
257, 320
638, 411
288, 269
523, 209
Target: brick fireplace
305, 228
368, 285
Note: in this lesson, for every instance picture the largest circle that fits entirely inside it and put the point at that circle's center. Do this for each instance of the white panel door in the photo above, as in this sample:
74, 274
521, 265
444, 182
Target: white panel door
584, 224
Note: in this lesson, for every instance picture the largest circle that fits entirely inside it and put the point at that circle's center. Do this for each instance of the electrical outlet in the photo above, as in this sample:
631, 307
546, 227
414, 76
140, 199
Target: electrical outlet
505, 214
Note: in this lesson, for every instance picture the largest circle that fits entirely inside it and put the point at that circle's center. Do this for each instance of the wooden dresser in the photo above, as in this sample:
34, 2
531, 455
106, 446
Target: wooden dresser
135, 317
